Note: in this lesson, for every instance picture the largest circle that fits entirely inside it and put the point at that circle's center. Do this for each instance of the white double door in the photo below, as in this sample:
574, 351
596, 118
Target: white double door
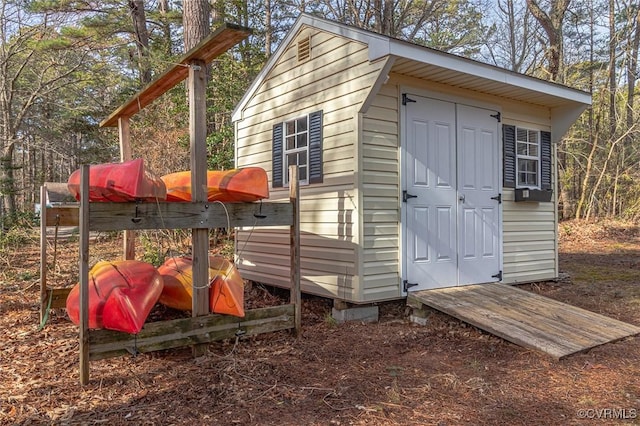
451, 175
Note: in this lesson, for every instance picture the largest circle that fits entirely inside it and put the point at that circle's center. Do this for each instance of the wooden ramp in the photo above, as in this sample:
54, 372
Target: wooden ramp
525, 318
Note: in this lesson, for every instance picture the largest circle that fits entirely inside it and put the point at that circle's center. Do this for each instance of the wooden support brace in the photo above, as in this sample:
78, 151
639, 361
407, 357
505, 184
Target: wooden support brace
43, 252
197, 83
124, 135
84, 275
294, 244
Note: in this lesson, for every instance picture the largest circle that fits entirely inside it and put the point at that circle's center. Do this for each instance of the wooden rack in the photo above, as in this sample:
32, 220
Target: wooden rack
198, 215
99, 344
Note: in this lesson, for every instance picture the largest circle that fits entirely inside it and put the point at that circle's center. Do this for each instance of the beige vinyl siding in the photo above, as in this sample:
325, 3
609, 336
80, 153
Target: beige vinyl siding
336, 80
380, 188
530, 249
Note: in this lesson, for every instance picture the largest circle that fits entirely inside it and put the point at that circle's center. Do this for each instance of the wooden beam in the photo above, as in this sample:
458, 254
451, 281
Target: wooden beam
294, 247
84, 275
61, 216
221, 40
205, 215
181, 332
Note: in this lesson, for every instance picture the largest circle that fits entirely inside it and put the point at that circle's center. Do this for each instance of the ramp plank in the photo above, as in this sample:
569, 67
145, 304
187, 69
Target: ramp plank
525, 318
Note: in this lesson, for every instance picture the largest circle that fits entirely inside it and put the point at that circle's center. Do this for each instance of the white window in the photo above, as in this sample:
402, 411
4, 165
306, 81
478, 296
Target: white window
297, 142
296, 148
528, 158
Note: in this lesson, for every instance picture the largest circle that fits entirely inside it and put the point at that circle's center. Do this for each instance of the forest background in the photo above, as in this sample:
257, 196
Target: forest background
67, 64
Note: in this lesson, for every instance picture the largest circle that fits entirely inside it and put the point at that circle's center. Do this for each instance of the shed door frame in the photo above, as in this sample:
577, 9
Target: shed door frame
457, 100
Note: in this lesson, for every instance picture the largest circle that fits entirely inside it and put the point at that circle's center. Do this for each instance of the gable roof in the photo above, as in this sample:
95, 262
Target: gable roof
445, 68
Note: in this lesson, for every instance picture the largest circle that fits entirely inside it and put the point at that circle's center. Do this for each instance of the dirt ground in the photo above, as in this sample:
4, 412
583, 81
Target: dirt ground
392, 372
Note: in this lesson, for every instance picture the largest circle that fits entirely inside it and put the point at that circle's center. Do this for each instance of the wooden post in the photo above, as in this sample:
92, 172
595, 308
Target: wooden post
294, 244
124, 135
43, 252
84, 275
199, 236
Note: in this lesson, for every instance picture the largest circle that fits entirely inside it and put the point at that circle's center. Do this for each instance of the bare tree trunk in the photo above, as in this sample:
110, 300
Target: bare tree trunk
632, 69
387, 18
164, 8
614, 200
603, 173
612, 71
25, 192
512, 36
585, 181
142, 39
565, 197
552, 24
268, 28
196, 22
7, 184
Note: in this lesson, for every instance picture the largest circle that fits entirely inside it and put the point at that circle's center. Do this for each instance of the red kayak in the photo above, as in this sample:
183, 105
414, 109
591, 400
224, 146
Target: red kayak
228, 186
226, 288
121, 295
120, 182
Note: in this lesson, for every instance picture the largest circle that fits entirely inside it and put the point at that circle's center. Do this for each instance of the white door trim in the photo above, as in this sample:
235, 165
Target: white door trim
458, 100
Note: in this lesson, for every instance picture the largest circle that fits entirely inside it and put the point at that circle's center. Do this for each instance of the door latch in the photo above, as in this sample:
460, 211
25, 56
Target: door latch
406, 196
498, 198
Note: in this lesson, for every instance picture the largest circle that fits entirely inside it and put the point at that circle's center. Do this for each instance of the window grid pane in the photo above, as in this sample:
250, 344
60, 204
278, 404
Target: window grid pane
296, 152
528, 157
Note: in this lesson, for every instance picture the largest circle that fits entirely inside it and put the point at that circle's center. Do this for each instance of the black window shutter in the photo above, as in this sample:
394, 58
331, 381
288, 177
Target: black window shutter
315, 147
545, 161
276, 156
509, 156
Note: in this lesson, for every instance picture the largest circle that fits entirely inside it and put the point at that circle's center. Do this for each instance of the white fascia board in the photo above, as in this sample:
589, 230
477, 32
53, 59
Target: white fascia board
352, 33
562, 118
486, 71
380, 46
382, 78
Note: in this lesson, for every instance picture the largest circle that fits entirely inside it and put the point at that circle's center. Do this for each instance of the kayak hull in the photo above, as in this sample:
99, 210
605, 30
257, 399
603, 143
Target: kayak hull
226, 289
121, 295
120, 182
227, 186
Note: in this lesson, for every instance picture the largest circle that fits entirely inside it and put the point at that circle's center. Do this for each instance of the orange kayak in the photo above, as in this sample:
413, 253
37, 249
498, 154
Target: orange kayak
228, 186
226, 288
121, 295
120, 182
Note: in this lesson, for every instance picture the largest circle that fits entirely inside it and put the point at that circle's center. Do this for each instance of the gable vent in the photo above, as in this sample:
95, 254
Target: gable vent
304, 49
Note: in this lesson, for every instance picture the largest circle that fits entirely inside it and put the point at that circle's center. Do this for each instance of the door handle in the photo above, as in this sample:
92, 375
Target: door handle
461, 197
406, 196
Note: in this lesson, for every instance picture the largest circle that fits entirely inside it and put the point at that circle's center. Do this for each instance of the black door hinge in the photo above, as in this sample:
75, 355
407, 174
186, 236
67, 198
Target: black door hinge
406, 99
406, 196
407, 285
497, 116
498, 198
498, 276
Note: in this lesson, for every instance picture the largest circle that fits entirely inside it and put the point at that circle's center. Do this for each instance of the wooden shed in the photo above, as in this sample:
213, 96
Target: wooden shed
419, 169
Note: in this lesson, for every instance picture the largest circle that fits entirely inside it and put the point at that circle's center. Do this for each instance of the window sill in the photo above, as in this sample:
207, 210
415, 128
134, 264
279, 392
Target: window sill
535, 195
